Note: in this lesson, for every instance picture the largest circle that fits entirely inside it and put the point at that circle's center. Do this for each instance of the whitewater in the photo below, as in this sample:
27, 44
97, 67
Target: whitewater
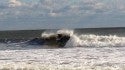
81, 52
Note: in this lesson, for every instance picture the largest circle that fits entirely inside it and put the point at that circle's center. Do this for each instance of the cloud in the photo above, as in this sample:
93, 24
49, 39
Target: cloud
58, 8
71, 7
14, 3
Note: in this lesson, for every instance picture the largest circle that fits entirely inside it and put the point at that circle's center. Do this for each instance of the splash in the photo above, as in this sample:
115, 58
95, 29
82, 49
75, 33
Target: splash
63, 31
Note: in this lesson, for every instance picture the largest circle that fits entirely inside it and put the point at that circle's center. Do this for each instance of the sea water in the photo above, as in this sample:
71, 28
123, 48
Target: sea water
81, 52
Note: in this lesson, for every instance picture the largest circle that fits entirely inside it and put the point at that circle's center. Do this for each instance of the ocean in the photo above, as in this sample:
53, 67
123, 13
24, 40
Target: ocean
87, 49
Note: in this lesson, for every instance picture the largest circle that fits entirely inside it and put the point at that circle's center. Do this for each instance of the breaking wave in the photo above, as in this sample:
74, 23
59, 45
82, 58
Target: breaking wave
80, 40
89, 40
95, 41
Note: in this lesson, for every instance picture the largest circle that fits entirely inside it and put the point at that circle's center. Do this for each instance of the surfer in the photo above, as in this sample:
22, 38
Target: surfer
58, 40
62, 39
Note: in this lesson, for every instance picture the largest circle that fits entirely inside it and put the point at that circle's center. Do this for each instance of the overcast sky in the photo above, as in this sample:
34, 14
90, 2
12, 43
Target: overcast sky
42, 14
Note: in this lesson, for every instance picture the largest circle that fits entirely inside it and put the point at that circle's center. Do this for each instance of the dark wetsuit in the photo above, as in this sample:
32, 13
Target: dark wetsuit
62, 40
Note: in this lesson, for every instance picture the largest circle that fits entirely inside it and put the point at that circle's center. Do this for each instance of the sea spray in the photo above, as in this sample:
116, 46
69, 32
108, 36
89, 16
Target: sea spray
63, 31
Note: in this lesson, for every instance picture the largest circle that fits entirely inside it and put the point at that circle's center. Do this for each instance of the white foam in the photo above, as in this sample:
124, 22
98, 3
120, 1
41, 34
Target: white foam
64, 31
63, 59
95, 41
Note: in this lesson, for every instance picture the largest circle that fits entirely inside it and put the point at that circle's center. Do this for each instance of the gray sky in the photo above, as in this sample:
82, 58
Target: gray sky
45, 14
